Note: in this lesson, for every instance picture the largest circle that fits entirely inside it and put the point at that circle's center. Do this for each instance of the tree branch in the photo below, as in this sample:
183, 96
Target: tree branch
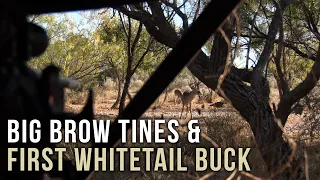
183, 17
283, 84
143, 55
268, 47
250, 34
151, 26
312, 26
284, 107
87, 73
136, 39
197, 11
123, 26
285, 44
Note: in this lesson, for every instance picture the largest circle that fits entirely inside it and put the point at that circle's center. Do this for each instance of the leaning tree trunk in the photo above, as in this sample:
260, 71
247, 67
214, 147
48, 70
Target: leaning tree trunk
116, 103
124, 93
126, 85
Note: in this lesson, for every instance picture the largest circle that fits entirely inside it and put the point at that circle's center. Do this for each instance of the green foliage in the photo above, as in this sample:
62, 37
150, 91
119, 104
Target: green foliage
295, 70
80, 57
113, 33
91, 55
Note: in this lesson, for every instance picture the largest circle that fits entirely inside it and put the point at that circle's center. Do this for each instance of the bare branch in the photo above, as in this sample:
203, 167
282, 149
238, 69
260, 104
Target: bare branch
197, 11
137, 37
284, 107
89, 72
151, 40
250, 34
283, 84
151, 24
312, 26
123, 26
183, 17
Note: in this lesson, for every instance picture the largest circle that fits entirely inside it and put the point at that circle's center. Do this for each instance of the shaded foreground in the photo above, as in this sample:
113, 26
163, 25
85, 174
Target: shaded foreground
222, 127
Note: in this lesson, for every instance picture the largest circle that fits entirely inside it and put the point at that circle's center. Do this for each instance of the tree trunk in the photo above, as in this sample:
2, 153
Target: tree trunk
129, 95
252, 102
126, 84
124, 92
115, 104
257, 112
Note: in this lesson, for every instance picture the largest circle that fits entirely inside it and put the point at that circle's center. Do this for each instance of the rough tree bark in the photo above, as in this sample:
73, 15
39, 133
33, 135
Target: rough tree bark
251, 101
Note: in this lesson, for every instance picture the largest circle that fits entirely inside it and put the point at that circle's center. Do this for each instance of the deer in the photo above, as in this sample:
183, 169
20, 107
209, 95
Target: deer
186, 98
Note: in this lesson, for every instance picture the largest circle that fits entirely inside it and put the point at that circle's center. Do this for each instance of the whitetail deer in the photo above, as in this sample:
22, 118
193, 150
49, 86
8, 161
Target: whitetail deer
186, 99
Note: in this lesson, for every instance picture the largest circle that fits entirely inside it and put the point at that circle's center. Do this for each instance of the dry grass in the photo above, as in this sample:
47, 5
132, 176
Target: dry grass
222, 127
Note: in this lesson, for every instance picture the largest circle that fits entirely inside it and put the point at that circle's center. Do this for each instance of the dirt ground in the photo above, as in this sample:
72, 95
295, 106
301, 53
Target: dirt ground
219, 126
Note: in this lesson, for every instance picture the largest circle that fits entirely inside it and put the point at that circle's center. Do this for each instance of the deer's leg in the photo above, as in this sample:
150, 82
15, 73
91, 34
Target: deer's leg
181, 110
190, 110
187, 109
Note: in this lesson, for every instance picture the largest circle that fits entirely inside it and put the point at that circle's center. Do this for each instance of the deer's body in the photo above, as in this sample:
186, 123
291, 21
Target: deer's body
186, 99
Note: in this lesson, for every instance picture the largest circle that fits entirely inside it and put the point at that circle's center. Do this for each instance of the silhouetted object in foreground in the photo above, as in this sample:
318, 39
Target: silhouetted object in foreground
27, 94
38, 40
52, 85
